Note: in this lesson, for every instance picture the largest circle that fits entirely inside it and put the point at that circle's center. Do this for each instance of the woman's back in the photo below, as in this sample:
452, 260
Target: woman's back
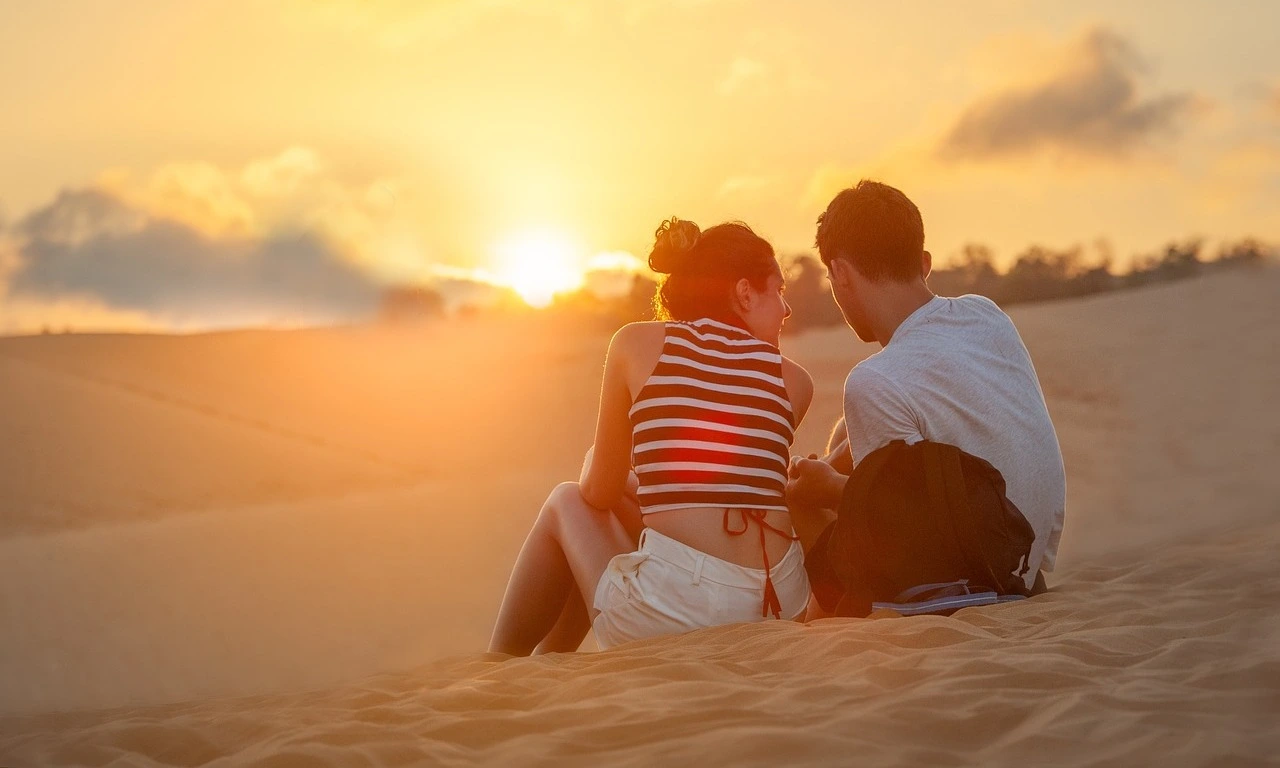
712, 424
704, 411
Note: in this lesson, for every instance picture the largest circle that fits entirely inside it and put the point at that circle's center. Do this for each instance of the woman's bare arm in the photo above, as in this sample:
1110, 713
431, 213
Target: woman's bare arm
607, 467
799, 386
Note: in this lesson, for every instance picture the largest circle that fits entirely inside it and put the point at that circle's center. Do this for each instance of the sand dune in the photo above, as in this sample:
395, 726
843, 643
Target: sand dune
280, 529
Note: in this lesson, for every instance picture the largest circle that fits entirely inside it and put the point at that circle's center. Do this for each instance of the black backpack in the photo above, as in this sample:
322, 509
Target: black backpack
919, 514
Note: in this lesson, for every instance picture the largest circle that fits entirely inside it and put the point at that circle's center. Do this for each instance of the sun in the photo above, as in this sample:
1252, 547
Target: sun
539, 265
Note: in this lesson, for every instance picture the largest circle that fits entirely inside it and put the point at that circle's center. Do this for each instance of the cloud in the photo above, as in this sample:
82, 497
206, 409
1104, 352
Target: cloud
287, 192
1090, 106
292, 193
282, 175
8, 258
92, 247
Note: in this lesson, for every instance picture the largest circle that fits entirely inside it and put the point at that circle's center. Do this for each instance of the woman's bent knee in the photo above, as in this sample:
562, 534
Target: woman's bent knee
563, 497
564, 501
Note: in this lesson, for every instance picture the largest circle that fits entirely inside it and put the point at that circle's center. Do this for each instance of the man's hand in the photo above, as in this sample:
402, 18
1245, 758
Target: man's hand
813, 483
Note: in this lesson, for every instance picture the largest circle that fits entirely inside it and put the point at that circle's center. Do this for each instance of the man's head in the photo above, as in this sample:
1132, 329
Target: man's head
871, 239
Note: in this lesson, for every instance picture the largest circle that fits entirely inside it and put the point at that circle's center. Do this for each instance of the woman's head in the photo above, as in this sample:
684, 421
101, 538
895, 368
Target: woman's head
727, 273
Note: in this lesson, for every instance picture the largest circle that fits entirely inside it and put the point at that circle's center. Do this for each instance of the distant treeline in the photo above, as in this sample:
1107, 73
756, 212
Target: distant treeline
1037, 274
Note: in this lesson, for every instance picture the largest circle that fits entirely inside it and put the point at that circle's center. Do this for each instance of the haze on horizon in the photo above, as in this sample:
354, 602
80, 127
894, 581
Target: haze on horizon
194, 164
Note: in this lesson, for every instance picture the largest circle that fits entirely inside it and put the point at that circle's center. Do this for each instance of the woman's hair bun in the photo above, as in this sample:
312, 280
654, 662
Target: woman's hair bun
673, 241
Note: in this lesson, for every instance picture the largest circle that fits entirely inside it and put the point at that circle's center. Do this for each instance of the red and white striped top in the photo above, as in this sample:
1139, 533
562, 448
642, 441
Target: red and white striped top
713, 426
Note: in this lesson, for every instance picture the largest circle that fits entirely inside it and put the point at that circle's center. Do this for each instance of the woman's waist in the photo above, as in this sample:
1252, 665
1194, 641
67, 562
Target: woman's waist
704, 529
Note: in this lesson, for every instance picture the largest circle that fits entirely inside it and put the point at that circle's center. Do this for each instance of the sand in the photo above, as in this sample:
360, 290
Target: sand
286, 548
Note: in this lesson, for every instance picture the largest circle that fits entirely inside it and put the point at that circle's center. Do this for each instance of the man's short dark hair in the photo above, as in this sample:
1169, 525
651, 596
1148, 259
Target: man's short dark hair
875, 227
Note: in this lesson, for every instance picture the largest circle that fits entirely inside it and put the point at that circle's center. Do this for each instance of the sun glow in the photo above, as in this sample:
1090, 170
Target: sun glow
539, 265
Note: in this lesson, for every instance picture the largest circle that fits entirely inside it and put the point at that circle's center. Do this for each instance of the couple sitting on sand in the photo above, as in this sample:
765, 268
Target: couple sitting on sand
683, 515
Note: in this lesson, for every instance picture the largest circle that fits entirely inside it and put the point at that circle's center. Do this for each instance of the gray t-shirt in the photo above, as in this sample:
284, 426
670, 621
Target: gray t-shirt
957, 372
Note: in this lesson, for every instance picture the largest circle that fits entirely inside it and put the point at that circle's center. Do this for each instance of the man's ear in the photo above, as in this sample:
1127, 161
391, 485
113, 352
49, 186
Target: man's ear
839, 272
742, 295
926, 264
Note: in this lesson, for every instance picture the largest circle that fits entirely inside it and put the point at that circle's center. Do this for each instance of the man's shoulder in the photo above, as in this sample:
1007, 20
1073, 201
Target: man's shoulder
968, 319
876, 373
976, 304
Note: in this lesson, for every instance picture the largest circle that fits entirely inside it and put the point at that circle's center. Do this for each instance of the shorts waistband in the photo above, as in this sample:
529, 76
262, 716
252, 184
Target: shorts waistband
712, 568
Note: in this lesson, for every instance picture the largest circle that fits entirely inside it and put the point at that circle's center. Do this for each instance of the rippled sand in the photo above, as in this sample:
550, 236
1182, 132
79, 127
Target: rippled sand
278, 604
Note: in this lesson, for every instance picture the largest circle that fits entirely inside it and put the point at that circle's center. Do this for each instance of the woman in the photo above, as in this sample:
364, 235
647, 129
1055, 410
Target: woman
710, 406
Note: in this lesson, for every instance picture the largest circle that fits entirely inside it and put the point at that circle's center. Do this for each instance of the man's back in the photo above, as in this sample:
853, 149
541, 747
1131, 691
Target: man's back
957, 372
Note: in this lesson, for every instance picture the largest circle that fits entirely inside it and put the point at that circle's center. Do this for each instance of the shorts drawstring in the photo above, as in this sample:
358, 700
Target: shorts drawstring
771, 601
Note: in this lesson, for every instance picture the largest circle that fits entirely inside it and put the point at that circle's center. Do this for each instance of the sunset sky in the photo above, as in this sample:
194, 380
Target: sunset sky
187, 164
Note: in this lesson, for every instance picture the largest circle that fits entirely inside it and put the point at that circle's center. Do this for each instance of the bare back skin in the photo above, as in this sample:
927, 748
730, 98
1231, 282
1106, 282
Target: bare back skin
703, 527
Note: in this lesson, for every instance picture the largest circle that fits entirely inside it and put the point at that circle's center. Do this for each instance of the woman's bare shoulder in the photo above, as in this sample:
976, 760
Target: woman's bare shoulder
634, 352
638, 337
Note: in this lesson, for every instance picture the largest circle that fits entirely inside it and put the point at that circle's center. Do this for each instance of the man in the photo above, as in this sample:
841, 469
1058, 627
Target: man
951, 371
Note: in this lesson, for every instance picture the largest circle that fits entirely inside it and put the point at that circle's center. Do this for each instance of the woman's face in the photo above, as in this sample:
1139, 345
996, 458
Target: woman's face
766, 310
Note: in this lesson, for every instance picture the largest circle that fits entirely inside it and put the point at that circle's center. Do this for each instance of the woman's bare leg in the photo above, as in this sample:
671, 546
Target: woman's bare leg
567, 551
574, 624
569, 630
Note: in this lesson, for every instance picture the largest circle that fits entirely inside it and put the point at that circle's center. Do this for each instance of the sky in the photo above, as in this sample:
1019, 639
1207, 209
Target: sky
203, 164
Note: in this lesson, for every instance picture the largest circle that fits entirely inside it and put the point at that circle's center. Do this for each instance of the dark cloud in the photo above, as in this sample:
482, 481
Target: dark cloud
89, 243
1092, 106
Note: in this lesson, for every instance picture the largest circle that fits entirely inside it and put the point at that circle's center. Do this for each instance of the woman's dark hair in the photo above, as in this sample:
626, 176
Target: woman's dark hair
701, 268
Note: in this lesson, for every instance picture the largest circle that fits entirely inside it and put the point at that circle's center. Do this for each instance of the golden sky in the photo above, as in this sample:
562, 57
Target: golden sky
415, 140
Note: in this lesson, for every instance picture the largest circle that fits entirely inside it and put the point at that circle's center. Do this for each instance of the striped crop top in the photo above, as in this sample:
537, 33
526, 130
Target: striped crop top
713, 426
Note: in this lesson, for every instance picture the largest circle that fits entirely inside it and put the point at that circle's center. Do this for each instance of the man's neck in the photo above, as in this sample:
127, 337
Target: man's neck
899, 304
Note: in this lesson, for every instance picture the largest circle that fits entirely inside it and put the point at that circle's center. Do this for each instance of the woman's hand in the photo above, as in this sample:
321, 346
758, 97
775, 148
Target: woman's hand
813, 483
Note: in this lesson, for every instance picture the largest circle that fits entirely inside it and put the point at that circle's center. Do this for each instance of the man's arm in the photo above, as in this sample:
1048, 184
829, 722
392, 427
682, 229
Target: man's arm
876, 412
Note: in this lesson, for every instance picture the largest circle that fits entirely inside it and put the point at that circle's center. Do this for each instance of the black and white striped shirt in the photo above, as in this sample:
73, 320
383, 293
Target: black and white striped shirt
713, 426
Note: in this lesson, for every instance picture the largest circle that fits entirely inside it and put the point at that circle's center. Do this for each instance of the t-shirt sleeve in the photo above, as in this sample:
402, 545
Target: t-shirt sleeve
876, 413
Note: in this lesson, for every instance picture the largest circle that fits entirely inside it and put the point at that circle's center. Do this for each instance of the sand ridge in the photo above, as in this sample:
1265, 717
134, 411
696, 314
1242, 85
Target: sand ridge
183, 588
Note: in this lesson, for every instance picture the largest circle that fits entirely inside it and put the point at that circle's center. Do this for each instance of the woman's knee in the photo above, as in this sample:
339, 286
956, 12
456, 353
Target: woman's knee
562, 496
563, 500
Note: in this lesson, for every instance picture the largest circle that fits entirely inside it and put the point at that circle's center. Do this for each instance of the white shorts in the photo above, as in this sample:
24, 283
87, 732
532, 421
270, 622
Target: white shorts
667, 587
